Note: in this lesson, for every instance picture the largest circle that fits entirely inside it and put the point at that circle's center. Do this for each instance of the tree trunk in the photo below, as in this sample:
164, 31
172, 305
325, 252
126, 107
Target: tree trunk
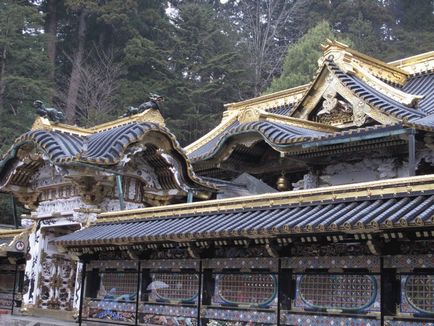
2, 76
51, 31
74, 81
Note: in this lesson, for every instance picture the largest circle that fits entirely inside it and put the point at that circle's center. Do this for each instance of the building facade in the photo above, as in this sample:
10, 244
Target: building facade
309, 206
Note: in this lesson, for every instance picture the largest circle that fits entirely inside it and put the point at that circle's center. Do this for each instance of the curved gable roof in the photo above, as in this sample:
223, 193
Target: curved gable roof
105, 148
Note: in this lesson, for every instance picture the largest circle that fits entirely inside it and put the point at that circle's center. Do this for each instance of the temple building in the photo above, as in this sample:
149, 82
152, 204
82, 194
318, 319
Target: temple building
309, 206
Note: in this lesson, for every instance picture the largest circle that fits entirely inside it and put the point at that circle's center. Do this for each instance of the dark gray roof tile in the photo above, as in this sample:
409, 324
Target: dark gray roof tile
302, 218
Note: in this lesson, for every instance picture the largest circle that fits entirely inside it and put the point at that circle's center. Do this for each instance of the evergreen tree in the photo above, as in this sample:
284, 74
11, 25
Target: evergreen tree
24, 67
413, 32
301, 60
207, 67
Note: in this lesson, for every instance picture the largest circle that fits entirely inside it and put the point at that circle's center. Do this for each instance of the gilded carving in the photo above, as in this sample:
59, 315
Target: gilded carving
94, 190
334, 111
42, 124
330, 102
28, 199
249, 115
359, 115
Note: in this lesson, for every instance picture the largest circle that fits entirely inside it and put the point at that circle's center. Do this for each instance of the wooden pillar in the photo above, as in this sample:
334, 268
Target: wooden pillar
207, 291
199, 295
14, 288
279, 289
138, 292
411, 152
83, 293
285, 290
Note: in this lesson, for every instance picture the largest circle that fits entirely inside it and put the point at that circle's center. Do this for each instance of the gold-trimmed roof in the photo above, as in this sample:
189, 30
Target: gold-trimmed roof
343, 53
418, 184
285, 97
256, 110
9, 233
416, 63
373, 72
228, 119
150, 115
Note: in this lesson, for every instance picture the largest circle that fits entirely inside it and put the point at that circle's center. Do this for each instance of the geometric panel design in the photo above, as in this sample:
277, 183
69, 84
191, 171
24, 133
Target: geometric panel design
409, 261
371, 262
240, 317
175, 287
417, 294
318, 320
410, 323
350, 293
259, 290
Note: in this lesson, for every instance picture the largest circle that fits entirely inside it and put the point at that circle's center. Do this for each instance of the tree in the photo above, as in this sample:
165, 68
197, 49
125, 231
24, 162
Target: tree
413, 31
207, 68
82, 10
99, 76
24, 67
301, 59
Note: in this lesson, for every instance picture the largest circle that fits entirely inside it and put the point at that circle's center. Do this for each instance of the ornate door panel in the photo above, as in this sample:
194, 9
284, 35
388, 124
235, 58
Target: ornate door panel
56, 282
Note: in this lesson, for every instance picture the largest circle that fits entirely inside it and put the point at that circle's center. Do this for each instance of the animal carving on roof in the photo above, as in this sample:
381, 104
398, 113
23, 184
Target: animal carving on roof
51, 114
153, 103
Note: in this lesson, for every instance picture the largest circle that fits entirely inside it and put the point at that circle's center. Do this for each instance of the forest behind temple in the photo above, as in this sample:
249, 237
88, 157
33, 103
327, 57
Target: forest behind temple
94, 58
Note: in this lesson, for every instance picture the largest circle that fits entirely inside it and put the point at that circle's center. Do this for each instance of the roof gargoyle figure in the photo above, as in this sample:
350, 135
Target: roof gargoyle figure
51, 114
153, 103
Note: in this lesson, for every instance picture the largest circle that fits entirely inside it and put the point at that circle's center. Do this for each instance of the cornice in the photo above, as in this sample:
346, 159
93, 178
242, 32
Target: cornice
287, 96
416, 63
349, 58
297, 122
356, 191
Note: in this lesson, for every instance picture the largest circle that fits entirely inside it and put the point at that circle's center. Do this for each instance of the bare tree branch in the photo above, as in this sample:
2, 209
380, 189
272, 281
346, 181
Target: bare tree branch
99, 75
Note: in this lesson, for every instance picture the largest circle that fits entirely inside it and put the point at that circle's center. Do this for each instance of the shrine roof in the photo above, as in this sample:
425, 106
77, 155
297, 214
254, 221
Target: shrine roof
422, 83
364, 207
104, 146
400, 92
374, 97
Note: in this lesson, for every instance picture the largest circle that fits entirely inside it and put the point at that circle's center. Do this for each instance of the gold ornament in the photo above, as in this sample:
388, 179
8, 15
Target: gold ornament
282, 183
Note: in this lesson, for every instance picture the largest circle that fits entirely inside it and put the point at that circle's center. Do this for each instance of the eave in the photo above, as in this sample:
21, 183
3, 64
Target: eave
394, 205
344, 192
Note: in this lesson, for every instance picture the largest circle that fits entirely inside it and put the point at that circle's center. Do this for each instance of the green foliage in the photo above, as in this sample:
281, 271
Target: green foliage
414, 31
301, 60
6, 209
207, 69
197, 58
24, 67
